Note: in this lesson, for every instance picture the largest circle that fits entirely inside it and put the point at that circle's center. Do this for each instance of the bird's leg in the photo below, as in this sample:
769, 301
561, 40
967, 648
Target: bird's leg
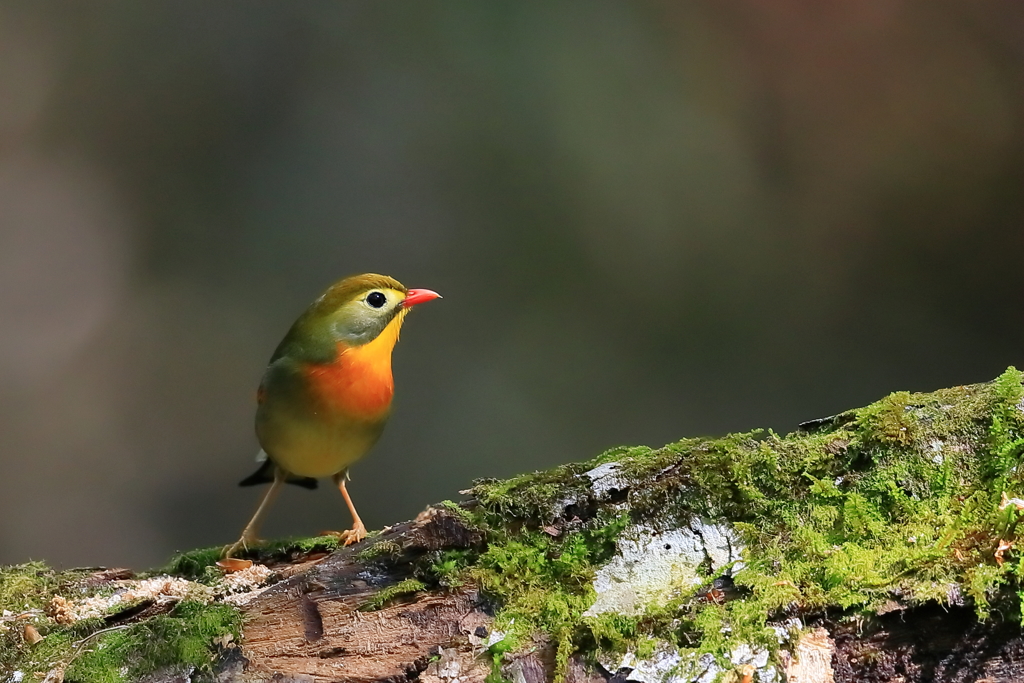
250, 533
358, 530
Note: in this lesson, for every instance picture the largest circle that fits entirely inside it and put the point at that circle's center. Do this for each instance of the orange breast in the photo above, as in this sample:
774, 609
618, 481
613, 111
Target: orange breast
358, 383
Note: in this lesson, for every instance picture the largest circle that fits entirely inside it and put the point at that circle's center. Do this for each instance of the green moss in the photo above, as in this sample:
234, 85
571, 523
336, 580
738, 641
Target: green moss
617, 633
23, 586
497, 653
889, 421
313, 544
544, 583
380, 549
88, 650
194, 563
200, 564
32, 585
459, 511
26, 587
448, 568
386, 595
530, 496
184, 637
897, 500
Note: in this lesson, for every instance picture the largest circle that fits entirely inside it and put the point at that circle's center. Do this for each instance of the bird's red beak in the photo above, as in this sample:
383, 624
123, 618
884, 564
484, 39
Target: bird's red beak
419, 296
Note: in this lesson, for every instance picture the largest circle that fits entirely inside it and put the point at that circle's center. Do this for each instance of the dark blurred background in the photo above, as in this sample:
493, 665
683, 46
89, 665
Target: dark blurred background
649, 220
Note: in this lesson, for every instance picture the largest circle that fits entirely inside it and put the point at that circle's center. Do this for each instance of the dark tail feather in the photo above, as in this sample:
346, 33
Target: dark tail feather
265, 475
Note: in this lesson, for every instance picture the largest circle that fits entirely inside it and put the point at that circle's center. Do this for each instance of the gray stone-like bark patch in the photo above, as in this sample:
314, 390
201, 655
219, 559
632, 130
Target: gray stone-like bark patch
652, 567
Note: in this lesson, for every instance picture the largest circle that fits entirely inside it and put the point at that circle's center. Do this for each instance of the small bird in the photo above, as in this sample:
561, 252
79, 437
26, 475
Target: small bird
326, 394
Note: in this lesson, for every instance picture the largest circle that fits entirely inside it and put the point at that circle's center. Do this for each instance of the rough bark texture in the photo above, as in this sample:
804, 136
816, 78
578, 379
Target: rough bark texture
877, 545
311, 625
309, 628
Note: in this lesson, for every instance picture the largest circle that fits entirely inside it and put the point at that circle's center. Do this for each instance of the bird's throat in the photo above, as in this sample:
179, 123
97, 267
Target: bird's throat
358, 383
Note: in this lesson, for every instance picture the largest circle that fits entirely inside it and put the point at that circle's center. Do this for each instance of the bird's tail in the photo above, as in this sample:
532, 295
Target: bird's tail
265, 475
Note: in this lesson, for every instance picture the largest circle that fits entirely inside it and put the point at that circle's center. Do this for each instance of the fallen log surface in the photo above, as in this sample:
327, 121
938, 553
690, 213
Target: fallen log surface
875, 545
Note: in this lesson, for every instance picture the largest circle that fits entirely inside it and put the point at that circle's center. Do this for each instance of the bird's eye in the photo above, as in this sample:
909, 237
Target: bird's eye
376, 299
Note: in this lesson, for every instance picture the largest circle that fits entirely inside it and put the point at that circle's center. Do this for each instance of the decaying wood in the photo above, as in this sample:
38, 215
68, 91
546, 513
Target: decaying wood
811, 661
399, 608
930, 643
309, 628
311, 625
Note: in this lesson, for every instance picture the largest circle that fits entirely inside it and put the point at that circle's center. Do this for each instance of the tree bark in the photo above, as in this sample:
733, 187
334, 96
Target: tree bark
610, 569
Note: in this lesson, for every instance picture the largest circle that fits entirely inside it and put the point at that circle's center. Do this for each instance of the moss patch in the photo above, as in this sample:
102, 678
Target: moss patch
897, 502
387, 595
200, 564
381, 549
906, 501
32, 585
25, 588
184, 637
91, 650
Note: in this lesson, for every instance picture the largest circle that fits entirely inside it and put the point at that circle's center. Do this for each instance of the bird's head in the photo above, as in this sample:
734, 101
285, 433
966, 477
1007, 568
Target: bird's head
354, 311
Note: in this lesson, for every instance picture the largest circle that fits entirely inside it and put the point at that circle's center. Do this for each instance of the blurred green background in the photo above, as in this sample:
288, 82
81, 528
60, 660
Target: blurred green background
649, 220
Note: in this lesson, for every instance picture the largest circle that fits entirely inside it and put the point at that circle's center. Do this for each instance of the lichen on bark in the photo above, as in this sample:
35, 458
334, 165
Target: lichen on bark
891, 506
706, 559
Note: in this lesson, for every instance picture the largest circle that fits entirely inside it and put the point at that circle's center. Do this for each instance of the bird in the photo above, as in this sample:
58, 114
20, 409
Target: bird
326, 394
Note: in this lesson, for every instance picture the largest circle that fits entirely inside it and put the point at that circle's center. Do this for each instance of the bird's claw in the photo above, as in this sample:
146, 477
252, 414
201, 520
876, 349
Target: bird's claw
241, 545
349, 536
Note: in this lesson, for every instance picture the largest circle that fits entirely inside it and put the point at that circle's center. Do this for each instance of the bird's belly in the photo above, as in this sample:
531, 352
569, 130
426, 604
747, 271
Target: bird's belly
314, 448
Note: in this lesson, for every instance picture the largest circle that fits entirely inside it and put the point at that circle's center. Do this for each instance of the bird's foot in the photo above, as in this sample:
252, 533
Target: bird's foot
349, 536
240, 546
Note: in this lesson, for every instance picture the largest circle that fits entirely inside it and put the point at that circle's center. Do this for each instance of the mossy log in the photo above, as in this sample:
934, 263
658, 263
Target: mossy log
875, 545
